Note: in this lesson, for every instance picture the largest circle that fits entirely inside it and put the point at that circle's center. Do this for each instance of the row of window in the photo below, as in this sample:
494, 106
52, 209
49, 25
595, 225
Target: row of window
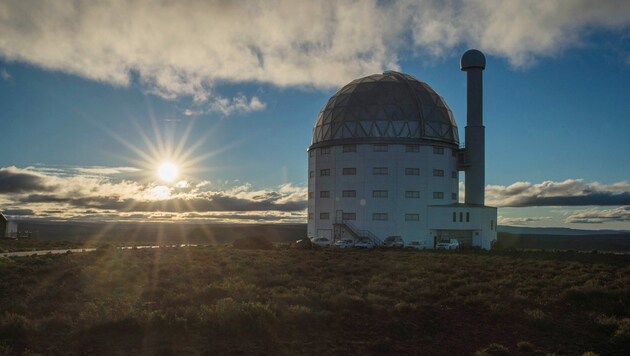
411, 194
380, 171
461, 217
375, 216
379, 147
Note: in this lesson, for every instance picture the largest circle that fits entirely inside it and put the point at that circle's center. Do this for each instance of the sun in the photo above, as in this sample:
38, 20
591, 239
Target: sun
168, 172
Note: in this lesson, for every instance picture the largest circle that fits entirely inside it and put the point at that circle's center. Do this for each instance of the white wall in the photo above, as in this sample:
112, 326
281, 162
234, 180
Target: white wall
396, 159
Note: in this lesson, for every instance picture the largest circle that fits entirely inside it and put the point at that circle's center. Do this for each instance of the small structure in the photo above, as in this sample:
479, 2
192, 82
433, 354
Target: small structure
8, 229
3, 226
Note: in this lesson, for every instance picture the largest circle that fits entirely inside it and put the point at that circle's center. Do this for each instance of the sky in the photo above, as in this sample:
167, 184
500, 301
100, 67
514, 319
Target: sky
94, 96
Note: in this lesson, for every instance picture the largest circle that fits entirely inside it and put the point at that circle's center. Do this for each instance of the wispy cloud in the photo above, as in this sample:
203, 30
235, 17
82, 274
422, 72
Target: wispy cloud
598, 216
571, 192
185, 48
521, 221
238, 104
4, 74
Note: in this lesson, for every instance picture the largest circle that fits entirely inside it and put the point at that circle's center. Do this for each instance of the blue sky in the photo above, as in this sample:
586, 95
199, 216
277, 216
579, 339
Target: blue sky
92, 102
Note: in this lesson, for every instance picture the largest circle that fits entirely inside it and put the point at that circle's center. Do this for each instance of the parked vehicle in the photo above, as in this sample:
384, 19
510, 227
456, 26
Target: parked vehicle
420, 245
394, 241
304, 244
453, 244
344, 244
321, 241
364, 243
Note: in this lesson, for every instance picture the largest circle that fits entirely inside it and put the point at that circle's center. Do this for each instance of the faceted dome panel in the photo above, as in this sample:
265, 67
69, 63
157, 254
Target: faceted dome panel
385, 107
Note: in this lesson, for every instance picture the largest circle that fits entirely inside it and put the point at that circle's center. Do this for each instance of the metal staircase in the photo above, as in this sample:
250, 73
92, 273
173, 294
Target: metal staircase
341, 226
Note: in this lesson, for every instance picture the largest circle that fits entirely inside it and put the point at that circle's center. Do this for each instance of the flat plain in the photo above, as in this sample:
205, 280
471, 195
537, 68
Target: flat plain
220, 300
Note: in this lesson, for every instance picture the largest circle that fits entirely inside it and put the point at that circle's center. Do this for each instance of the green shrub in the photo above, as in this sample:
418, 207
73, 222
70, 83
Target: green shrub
252, 243
493, 350
525, 347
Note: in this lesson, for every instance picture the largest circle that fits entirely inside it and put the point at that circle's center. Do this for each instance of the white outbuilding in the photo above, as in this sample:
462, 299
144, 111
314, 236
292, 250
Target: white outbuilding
385, 161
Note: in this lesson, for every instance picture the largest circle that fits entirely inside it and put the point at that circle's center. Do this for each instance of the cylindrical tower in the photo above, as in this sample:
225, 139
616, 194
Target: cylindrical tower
473, 62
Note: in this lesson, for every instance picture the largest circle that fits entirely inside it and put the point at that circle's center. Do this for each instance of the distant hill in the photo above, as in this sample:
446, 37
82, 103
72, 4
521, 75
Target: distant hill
161, 233
556, 231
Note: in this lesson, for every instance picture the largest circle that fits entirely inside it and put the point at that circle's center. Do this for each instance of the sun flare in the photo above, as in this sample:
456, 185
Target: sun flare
168, 172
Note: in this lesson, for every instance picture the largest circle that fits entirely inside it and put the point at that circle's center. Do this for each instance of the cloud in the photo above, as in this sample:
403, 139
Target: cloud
4, 74
239, 103
571, 192
598, 216
99, 170
185, 48
18, 212
520, 221
93, 193
13, 180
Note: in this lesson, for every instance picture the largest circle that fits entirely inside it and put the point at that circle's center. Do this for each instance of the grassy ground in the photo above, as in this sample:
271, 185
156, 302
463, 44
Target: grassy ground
224, 301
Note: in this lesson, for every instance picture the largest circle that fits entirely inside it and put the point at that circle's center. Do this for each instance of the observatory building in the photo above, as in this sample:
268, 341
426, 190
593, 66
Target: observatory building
385, 161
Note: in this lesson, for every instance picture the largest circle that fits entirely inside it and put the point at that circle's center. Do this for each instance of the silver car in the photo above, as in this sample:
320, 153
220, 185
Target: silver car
321, 241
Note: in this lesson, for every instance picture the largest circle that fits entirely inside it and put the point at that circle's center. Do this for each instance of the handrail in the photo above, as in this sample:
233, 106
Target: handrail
360, 232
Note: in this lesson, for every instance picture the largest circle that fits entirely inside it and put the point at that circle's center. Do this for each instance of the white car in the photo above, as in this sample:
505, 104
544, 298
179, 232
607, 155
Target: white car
321, 241
365, 243
420, 245
344, 244
453, 244
394, 241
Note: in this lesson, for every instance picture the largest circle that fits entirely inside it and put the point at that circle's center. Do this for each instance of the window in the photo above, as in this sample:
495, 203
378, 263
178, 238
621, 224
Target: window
438, 173
467, 217
349, 193
310, 195
454, 196
454, 153
324, 216
412, 171
412, 217
311, 153
349, 148
380, 216
349, 216
324, 172
324, 150
380, 147
324, 194
349, 172
412, 148
379, 194
461, 216
412, 194
454, 217
311, 174
454, 174
491, 224
438, 195
379, 171
438, 150
310, 216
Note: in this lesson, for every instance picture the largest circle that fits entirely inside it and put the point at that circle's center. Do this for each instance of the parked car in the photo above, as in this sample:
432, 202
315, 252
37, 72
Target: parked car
420, 245
344, 244
304, 244
453, 244
321, 241
364, 243
394, 241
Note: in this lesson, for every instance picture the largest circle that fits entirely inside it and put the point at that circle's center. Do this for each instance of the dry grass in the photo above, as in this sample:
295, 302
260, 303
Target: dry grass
222, 300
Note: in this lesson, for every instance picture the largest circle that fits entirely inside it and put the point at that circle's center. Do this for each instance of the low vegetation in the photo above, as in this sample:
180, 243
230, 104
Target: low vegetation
221, 300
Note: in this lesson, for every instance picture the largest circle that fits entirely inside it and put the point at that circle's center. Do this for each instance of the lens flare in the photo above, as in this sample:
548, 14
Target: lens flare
168, 172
